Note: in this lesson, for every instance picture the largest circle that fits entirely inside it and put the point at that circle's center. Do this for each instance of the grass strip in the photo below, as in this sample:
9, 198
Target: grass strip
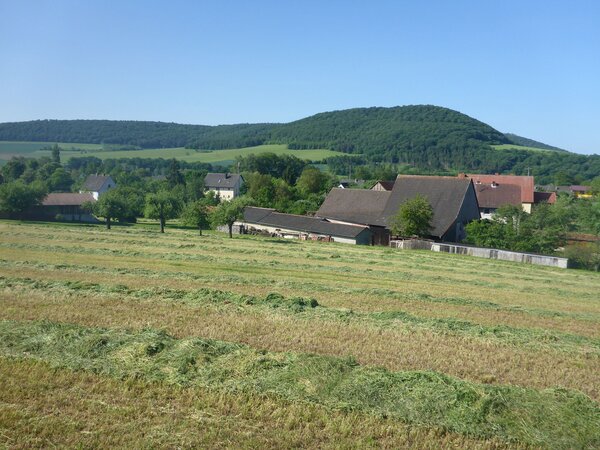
309, 308
553, 418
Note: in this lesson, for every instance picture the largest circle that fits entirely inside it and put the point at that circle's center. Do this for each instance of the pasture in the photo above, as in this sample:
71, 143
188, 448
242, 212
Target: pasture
129, 337
217, 157
522, 147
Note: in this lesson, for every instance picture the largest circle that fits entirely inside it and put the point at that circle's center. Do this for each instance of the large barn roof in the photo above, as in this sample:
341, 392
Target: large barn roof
445, 194
307, 224
360, 206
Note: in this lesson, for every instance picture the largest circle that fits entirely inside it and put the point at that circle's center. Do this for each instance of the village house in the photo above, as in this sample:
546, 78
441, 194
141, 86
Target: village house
225, 185
293, 226
452, 199
97, 185
494, 191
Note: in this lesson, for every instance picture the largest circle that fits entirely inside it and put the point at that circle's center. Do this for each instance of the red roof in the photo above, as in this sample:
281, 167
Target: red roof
548, 197
67, 199
525, 183
494, 196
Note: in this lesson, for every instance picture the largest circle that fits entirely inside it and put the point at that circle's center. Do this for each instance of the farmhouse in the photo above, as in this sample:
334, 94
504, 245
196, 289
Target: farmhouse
303, 227
63, 206
97, 185
225, 185
452, 199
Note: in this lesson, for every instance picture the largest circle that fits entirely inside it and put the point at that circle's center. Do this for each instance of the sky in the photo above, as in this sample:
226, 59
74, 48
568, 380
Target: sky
527, 67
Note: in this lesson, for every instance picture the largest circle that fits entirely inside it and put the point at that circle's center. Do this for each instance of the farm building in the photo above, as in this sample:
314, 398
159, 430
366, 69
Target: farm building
303, 227
453, 201
226, 185
63, 206
97, 185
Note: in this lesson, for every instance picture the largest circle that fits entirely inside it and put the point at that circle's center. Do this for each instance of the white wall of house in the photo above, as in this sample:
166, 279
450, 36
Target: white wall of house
226, 194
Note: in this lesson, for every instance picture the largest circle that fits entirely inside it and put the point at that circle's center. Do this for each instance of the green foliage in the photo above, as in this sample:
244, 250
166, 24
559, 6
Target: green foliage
230, 211
525, 142
174, 175
313, 181
413, 218
511, 228
56, 153
195, 214
16, 197
287, 167
162, 206
110, 205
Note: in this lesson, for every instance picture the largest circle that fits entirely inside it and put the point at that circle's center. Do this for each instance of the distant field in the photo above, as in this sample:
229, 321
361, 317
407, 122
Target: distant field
522, 147
32, 149
127, 337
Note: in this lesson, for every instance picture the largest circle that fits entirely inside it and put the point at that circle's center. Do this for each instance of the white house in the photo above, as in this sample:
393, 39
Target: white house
97, 185
226, 185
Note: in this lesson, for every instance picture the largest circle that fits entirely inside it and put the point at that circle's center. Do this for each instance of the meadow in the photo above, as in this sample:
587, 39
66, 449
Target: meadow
522, 147
217, 157
127, 337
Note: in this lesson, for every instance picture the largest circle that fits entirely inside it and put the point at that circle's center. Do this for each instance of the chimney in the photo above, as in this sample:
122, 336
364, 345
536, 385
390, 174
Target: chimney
494, 184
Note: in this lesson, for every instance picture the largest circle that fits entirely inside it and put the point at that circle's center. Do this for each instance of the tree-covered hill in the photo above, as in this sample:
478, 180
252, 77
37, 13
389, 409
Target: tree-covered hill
425, 137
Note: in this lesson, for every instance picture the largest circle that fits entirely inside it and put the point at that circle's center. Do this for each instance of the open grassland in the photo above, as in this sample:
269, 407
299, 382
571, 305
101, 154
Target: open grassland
523, 147
33, 149
376, 346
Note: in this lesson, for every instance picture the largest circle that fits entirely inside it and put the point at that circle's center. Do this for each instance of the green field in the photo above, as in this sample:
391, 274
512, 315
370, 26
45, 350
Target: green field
127, 337
522, 147
33, 150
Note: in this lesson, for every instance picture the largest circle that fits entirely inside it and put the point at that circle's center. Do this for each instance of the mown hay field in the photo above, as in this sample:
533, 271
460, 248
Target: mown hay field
127, 337
9, 150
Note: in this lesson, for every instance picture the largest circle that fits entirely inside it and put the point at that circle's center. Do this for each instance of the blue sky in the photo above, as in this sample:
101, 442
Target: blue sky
527, 67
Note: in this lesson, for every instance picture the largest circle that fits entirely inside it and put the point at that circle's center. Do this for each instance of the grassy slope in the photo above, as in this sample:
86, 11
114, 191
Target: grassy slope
484, 322
32, 149
522, 147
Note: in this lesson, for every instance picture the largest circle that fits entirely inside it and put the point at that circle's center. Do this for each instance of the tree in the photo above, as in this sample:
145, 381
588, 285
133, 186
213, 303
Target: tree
195, 214
313, 181
16, 197
162, 206
110, 205
413, 218
174, 175
56, 153
228, 212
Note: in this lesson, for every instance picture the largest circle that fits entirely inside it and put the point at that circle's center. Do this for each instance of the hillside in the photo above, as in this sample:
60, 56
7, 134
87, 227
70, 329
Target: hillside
129, 338
422, 136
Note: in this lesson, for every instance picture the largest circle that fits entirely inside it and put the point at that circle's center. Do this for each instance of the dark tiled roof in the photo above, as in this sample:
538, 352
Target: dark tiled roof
489, 196
360, 206
221, 180
268, 217
445, 194
525, 183
93, 183
67, 199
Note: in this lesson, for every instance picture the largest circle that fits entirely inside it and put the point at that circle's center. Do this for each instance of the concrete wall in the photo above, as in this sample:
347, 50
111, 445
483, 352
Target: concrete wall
490, 253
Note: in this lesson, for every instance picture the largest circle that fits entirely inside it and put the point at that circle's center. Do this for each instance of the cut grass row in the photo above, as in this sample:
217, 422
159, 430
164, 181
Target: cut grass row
311, 310
398, 347
46, 407
551, 418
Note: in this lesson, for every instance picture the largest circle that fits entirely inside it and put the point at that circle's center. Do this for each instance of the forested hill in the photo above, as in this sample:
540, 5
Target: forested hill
426, 137
360, 130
